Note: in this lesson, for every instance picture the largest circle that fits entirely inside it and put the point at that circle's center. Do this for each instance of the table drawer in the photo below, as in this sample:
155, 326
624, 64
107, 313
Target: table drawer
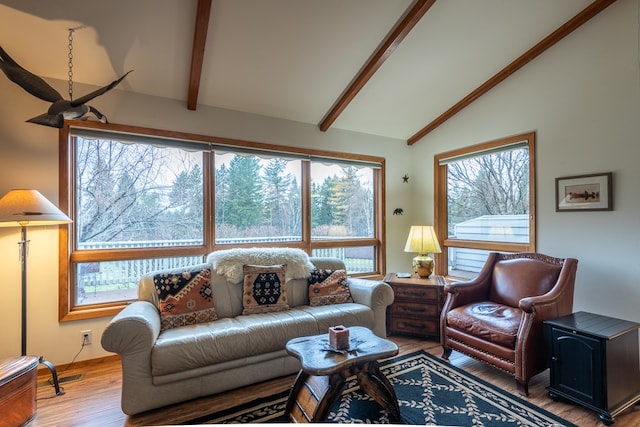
422, 293
410, 309
415, 326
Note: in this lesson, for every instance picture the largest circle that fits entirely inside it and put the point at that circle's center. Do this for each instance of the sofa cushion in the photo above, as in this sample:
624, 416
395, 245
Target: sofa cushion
328, 287
492, 322
185, 297
264, 289
197, 346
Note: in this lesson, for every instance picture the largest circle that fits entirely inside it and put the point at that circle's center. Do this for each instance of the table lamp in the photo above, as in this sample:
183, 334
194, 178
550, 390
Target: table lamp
27, 208
422, 239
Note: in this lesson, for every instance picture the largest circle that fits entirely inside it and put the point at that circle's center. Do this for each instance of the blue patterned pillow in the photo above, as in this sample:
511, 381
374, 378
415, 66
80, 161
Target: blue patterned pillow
264, 289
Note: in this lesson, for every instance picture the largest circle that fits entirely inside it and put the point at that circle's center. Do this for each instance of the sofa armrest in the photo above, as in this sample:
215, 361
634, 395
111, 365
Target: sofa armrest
375, 294
133, 330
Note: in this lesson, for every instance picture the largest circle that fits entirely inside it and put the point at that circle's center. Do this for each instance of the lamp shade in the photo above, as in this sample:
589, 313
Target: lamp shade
422, 240
29, 208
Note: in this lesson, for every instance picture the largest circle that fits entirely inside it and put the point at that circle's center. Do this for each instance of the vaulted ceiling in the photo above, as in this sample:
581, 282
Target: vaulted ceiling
395, 68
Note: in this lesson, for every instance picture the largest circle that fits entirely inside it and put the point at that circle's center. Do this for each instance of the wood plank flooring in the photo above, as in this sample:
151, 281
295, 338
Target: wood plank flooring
94, 400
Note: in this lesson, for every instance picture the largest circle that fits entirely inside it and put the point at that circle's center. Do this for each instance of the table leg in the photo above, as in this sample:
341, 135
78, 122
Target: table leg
295, 390
377, 385
329, 398
312, 397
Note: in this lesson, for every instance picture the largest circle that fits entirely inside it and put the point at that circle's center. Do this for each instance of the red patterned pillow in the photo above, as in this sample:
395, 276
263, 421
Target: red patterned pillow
264, 289
328, 287
185, 297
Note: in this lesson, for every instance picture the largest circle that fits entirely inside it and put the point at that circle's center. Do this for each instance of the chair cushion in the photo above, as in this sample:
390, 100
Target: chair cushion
487, 320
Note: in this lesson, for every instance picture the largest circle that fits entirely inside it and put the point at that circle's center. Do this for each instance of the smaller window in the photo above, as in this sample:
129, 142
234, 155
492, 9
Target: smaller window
485, 196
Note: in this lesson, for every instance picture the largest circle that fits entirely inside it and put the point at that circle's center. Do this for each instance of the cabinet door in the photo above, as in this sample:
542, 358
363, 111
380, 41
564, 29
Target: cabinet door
577, 366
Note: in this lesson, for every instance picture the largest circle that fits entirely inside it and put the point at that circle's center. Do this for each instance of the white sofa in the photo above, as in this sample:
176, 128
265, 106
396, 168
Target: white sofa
174, 365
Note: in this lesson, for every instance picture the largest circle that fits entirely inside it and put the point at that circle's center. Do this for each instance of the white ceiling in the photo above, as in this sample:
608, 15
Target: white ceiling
289, 59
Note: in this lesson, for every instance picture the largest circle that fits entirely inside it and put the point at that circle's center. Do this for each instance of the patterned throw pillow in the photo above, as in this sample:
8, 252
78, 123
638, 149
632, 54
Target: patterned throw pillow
264, 289
328, 287
185, 297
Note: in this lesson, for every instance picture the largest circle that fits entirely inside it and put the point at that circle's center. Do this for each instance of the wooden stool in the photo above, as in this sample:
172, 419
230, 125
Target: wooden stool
18, 380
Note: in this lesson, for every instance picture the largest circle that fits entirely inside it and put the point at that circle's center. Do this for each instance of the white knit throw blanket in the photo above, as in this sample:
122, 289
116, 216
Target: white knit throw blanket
229, 262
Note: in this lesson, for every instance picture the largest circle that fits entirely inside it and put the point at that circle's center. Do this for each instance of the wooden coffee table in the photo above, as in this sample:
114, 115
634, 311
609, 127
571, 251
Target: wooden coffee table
324, 371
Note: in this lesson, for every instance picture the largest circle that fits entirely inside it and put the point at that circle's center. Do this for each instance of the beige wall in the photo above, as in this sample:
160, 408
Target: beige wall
582, 98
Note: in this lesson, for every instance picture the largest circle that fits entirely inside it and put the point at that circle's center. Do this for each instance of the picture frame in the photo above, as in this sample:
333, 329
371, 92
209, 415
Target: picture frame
584, 193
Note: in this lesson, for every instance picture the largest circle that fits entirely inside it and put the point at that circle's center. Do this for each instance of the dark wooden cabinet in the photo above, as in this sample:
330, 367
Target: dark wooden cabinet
416, 307
594, 362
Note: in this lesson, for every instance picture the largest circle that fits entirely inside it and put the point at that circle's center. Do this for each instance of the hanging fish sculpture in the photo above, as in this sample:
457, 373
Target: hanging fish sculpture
60, 109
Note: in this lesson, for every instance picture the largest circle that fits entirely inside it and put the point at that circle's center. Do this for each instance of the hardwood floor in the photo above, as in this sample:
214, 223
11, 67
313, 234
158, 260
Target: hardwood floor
94, 400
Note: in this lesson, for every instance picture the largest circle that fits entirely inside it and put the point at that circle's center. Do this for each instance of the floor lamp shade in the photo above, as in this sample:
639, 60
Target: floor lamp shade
26, 208
30, 208
422, 240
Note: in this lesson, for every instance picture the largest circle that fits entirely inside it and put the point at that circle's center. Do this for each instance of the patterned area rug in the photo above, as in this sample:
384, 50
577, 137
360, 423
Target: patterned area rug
429, 391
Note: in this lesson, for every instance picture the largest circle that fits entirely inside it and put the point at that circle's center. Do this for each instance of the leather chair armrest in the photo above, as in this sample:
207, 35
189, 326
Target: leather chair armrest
559, 300
466, 292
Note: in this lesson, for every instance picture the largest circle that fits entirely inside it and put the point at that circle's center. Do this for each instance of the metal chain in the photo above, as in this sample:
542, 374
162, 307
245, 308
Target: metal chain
70, 63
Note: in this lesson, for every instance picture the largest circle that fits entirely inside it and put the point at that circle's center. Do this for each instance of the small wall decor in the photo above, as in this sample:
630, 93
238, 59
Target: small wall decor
405, 178
398, 211
584, 193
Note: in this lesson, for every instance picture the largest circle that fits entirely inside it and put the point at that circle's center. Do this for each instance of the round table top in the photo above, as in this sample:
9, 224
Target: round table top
319, 358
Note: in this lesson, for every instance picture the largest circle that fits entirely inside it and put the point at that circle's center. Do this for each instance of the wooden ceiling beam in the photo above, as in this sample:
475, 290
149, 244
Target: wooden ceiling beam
567, 28
203, 12
402, 28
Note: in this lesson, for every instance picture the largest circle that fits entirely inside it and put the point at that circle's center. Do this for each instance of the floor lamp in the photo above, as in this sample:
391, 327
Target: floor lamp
28, 208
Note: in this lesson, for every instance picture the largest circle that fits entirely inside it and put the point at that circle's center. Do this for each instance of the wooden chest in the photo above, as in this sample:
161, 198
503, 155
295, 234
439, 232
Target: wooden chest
18, 379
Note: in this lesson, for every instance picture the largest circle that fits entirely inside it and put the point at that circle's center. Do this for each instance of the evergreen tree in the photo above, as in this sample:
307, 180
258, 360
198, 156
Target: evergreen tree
276, 186
344, 199
321, 210
245, 196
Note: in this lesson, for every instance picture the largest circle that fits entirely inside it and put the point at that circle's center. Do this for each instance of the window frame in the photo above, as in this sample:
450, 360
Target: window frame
69, 257
441, 205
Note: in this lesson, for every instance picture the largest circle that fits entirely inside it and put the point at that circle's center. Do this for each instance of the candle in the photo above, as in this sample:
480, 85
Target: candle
339, 337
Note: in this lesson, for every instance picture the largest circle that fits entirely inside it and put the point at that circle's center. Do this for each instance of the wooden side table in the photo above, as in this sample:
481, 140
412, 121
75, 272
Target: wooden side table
417, 306
322, 378
594, 362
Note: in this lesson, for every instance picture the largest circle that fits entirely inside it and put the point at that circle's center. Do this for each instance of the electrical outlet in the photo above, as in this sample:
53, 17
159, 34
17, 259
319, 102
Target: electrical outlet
86, 337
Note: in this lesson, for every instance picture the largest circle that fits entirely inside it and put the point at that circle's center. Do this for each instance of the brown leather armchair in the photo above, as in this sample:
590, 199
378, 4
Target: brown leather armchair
497, 317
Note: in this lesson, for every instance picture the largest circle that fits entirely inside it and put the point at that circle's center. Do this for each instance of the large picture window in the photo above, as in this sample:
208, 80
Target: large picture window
144, 200
485, 199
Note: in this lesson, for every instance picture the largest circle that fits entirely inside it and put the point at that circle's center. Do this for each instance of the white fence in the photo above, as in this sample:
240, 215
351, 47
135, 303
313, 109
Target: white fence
98, 281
